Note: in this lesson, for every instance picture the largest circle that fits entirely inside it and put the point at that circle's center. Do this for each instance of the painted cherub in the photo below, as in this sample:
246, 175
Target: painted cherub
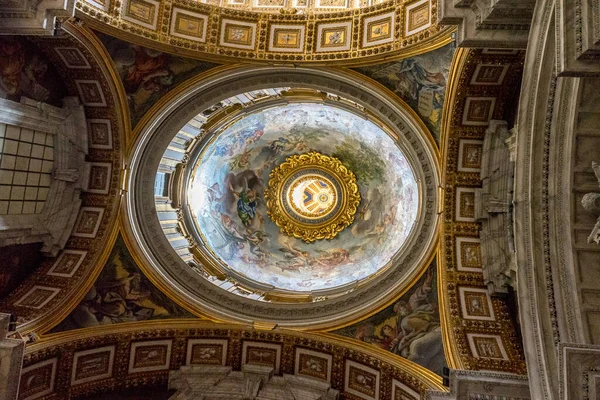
295, 259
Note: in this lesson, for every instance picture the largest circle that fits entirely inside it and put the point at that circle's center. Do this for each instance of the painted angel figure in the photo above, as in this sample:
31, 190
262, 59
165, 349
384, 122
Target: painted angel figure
255, 239
246, 204
295, 259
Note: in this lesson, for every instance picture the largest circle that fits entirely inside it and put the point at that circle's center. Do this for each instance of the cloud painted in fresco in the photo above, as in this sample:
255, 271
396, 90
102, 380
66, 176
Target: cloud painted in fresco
227, 197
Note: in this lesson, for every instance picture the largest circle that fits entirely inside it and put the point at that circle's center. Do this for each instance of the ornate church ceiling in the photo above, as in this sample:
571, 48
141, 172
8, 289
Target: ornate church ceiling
345, 33
480, 329
224, 241
374, 283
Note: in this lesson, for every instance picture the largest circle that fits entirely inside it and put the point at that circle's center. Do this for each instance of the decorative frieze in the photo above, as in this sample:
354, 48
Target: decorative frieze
577, 37
347, 32
200, 358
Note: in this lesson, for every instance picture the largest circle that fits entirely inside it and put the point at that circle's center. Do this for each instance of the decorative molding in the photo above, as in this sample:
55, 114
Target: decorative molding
31, 17
479, 333
37, 297
486, 385
343, 197
92, 365
577, 37
67, 263
502, 24
591, 202
314, 364
579, 370
263, 354
151, 355
103, 357
362, 381
206, 351
256, 31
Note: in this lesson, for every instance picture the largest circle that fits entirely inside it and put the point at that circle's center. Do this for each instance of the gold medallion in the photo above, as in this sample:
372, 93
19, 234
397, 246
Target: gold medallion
312, 196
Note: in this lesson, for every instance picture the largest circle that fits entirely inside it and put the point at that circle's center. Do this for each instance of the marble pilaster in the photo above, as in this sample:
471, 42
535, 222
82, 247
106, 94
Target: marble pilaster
11, 359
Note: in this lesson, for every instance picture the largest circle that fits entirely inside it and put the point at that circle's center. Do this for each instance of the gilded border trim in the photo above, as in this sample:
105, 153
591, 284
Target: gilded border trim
211, 48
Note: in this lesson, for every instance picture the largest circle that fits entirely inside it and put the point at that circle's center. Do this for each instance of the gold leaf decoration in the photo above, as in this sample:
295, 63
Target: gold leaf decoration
290, 202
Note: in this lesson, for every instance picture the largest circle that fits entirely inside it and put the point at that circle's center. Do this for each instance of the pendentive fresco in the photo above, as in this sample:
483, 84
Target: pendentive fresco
121, 294
409, 327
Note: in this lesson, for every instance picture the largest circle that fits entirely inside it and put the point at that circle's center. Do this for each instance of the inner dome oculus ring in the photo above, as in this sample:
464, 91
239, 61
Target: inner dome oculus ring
312, 196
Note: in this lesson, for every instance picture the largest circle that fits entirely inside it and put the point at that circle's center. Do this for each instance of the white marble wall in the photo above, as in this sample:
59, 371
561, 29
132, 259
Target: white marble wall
558, 275
69, 171
253, 382
33, 17
495, 24
11, 359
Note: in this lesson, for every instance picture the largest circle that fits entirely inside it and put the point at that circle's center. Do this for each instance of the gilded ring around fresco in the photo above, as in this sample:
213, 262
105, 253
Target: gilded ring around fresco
312, 196
197, 200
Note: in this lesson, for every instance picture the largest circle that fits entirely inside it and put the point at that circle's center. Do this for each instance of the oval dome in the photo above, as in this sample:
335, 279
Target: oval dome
226, 196
354, 171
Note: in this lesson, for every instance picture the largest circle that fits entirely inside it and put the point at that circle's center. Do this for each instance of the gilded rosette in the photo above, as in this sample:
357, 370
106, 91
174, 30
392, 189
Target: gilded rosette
312, 196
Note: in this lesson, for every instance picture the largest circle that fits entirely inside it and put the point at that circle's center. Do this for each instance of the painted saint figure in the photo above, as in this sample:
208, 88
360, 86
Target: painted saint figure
415, 317
246, 206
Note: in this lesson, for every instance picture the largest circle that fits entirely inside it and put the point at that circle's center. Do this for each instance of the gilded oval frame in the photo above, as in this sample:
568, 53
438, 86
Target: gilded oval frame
328, 229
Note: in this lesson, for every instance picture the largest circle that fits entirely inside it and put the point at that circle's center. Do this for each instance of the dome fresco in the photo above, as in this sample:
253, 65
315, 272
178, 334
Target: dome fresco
226, 196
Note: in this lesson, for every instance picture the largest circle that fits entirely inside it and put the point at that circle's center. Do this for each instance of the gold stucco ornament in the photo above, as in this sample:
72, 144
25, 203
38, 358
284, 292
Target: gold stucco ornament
312, 196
